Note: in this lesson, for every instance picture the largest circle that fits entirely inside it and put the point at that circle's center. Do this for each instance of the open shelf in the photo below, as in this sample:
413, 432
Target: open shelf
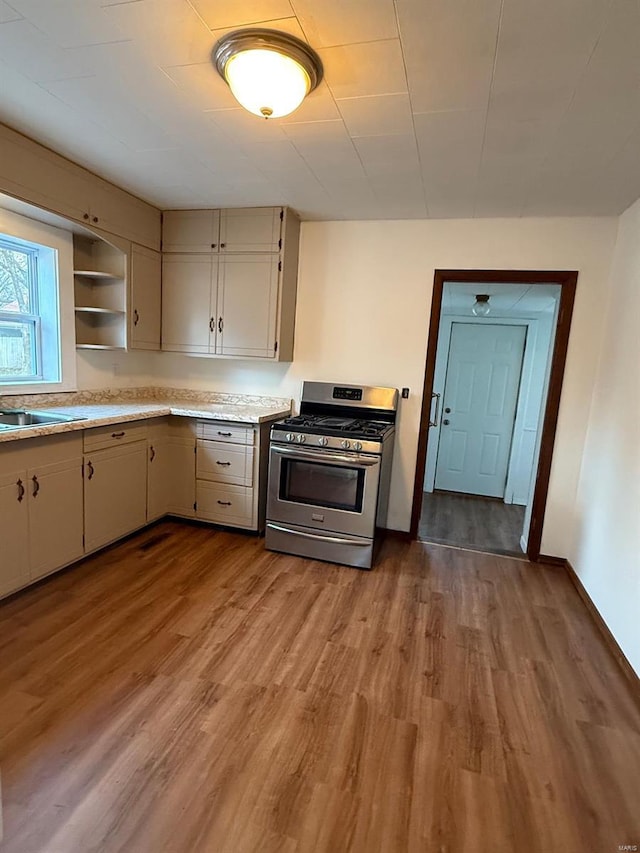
97, 274
91, 310
96, 346
100, 288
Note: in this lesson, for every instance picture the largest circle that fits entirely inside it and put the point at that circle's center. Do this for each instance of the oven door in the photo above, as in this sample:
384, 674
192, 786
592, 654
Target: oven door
323, 489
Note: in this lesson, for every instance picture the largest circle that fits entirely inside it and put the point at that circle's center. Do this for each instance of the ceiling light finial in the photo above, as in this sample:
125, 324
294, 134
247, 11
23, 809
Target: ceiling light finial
481, 306
270, 73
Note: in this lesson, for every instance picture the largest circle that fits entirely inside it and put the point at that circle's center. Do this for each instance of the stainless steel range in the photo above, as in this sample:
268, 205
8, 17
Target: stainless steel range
329, 472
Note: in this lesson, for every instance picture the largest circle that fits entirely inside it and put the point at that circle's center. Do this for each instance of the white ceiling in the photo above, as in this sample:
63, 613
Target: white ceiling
438, 108
505, 300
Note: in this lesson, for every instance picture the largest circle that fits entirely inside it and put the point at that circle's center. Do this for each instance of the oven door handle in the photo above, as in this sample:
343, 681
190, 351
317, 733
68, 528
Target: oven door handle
327, 456
319, 536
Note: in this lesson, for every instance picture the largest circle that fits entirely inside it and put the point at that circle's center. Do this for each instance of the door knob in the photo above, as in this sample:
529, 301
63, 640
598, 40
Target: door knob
446, 421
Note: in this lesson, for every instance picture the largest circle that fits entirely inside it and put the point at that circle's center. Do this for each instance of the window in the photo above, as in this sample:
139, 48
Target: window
37, 343
20, 323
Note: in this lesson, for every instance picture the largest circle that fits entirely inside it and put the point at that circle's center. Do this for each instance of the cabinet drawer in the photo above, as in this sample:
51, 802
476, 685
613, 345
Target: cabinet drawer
217, 431
100, 438
225, 463
224, 504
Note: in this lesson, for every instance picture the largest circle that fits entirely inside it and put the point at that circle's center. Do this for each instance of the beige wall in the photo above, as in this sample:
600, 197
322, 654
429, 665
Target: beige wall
363, 308
606, 548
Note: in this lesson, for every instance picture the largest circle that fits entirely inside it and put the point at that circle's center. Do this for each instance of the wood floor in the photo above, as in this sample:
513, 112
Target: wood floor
189, 692
471, 521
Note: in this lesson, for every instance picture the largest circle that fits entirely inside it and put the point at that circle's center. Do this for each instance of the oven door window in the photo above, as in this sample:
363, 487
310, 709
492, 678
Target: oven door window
322, 484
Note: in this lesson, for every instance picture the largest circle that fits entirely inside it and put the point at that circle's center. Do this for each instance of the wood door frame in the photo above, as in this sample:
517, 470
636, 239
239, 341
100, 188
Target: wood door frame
567, 280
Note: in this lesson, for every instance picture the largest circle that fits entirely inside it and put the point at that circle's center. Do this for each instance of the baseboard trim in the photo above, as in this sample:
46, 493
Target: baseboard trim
552, 561
632, 677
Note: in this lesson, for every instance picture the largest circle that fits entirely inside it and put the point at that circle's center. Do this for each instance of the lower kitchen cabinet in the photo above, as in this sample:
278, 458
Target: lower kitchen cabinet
158, 470
40, 509
222, 504
115, 493
55, 515
181, 452
14, 541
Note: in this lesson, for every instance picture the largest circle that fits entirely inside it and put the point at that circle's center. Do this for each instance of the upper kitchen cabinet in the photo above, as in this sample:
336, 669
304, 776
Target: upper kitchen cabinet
190, 231
33, 173
231, 303
144, 298
249, 229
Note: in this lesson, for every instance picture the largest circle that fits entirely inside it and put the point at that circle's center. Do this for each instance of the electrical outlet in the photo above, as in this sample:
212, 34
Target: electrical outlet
405, 393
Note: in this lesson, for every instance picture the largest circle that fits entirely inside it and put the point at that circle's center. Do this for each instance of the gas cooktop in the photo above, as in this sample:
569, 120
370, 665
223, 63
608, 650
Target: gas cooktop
336, 426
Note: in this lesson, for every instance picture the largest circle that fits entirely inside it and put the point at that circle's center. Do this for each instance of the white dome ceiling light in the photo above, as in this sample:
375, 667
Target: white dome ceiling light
481, 306
269, 73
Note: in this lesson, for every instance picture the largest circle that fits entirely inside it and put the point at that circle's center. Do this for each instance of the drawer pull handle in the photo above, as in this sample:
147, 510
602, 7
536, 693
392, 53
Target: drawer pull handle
152, 453
227, 434
36, 486
224, 503
90, 467
20, 490
136, 317
222, 463
117, 434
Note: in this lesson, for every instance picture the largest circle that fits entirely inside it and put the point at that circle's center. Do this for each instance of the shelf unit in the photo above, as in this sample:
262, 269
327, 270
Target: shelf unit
100, 288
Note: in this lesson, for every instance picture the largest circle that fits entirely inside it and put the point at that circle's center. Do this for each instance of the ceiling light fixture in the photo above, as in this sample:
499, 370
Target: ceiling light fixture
270, 73
481, 306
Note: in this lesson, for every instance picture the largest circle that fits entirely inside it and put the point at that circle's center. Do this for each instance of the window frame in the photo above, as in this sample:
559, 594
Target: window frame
33, 318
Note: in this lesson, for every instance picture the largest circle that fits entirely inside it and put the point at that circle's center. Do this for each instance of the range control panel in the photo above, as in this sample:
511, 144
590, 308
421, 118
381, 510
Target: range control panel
347, 393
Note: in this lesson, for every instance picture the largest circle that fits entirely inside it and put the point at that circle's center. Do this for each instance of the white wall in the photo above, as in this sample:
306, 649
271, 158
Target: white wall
364, 297
606, 548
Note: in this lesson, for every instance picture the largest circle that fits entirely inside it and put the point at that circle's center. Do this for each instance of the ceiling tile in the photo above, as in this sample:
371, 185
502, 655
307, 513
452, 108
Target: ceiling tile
372, 68
112, 109
27, 50
317, 133
168, 32
242, 126
377, 115
70, 23
449, 48
202, 85
217, 15
7, 13
395, 155
334, 22
317, 106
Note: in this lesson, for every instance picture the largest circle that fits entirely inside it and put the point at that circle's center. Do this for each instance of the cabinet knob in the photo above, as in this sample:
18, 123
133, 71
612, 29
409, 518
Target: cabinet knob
222, 245
36, 486
152, 453
446, 421
136, 317
213, 245
85, 215
95, 219
212, 325
220, 325
90, 469
20, 490
448, 410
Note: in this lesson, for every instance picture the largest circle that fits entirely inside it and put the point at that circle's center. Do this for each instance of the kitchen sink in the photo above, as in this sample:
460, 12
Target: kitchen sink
21, 418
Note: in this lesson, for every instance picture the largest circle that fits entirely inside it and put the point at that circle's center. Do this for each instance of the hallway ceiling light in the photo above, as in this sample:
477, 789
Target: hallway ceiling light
269, 73
481, 306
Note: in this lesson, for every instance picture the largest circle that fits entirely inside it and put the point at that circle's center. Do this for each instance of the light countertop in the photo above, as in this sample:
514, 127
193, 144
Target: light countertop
113, 412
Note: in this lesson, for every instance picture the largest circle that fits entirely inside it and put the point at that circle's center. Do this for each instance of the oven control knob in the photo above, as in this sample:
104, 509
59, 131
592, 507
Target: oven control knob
323, 440
357, 445
301, 439
346, 444
290, 436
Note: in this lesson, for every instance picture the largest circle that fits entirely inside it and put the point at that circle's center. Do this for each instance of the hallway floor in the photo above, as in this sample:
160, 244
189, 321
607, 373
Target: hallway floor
471, 521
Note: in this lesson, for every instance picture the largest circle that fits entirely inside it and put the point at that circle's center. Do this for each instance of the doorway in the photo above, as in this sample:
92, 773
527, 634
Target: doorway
492, 391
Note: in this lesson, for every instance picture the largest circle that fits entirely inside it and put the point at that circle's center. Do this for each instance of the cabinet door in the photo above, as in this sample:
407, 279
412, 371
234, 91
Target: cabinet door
182, 476
14, 532
250, 229
146, 291
188, 303
115, 493
118, 212
55, 515
157, 477
190, 230
248, 304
